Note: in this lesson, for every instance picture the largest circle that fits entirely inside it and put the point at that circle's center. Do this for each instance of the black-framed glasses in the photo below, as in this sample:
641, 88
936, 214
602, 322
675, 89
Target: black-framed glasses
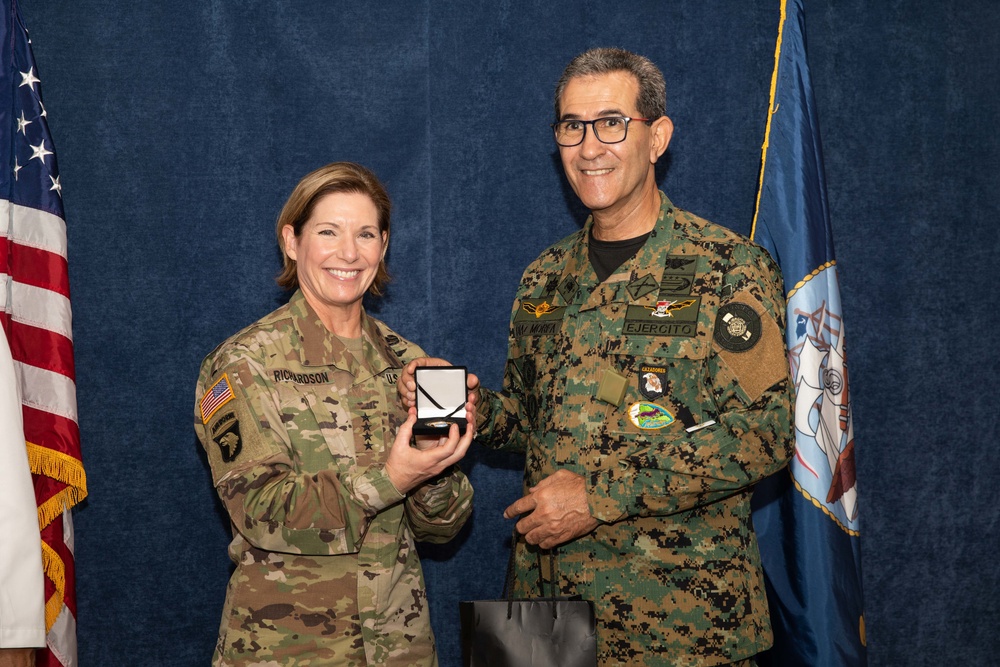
608, 130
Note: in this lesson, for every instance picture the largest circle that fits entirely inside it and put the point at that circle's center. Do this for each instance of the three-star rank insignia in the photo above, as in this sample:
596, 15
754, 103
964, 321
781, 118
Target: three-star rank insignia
652, 380
737, 327
226, 434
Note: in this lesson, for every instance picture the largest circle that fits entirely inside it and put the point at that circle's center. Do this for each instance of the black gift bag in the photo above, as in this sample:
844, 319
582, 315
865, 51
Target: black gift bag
535, 632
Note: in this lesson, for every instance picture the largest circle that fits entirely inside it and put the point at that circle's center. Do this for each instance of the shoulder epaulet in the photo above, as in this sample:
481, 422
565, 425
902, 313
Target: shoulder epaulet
400, 346
240, 339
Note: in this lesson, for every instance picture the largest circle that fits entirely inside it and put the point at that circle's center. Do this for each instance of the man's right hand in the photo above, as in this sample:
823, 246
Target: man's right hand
554, 511
406, 386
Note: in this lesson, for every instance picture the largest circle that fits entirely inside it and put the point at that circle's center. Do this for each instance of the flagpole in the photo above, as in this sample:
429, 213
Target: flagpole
770, 115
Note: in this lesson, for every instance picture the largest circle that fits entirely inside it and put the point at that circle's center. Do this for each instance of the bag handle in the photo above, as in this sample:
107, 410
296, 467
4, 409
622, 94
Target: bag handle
509, 577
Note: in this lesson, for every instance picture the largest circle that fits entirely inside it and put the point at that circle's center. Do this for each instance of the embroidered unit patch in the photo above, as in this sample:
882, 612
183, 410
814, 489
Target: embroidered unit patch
217, 395
666, 308
649, 416
226, 434
737, 327
674, 318
678, 275
568, 289
651, 381
640, 287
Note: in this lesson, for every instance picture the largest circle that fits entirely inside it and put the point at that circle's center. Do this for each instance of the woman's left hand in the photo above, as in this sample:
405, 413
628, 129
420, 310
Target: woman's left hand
409, 467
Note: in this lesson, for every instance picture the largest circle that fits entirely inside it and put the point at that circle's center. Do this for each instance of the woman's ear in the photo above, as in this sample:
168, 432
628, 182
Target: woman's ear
289, 242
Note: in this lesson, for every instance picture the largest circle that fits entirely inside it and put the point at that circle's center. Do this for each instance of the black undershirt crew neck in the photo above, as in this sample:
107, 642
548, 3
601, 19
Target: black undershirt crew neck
607, 256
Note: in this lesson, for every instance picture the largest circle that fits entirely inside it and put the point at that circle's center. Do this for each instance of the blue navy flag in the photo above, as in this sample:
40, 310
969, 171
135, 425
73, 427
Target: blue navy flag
806, 517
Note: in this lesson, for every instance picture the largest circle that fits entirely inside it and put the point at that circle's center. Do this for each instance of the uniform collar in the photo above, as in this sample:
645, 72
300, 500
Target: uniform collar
318, 347
628, 283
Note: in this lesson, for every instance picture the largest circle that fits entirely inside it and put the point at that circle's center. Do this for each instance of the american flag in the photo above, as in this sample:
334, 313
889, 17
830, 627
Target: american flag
37, 320
218, 395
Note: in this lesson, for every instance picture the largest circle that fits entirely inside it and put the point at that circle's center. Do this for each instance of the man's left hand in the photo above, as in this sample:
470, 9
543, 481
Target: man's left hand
556, 510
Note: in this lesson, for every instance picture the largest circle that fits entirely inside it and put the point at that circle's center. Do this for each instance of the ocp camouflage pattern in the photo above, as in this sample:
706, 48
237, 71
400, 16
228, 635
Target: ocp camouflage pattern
673, 569
326, 568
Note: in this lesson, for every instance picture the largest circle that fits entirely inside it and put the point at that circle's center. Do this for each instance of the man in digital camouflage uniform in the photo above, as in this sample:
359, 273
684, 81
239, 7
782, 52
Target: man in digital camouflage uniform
296, 429
647, 382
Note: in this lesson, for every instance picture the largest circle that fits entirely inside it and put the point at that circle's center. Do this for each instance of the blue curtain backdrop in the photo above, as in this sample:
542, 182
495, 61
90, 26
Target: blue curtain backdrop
181, 127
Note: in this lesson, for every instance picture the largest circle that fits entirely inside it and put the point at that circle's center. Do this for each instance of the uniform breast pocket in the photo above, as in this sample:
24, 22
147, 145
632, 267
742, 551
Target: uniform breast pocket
532, 380
534, 372
318, 423
666, 387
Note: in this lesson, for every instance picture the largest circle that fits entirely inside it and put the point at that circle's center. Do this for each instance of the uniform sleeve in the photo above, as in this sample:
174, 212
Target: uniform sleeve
752, 436
502, 415
439, 508
252, 455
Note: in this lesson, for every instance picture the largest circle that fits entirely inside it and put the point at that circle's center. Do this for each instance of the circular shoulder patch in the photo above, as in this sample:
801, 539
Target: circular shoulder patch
737, 327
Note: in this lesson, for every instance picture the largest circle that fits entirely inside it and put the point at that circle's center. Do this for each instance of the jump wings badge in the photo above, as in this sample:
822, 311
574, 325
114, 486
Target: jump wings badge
538, 310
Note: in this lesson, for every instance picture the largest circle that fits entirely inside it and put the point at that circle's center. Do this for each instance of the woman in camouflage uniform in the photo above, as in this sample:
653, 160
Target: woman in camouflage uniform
311, 454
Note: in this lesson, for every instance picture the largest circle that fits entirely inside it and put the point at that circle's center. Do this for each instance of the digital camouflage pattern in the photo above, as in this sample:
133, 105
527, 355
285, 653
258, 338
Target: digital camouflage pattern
297, 430
667, 387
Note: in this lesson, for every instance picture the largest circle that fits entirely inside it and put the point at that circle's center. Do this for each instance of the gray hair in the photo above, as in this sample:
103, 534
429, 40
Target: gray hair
652, 101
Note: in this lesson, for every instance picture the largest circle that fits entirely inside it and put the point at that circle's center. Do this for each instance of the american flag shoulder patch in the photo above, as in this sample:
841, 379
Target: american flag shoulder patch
217, 395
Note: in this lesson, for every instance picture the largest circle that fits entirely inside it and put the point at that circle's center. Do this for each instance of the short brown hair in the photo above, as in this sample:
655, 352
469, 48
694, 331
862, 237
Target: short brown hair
335, 177
652, 101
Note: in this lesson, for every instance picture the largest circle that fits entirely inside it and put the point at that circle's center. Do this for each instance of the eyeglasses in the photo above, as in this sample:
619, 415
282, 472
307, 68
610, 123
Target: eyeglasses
608, 130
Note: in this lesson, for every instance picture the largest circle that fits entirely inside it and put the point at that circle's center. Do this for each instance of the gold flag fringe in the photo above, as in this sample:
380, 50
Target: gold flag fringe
55, 570
67, 470
62, 468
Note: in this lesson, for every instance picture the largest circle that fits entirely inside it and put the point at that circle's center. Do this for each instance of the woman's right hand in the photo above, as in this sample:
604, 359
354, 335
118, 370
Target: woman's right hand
409, 467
